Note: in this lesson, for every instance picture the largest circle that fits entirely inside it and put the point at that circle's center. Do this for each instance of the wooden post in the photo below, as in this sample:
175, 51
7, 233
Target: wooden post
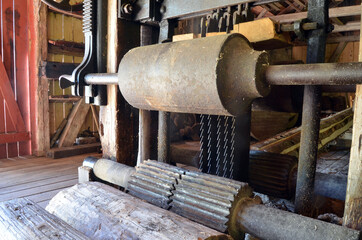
117, 120
39, 107
353, 207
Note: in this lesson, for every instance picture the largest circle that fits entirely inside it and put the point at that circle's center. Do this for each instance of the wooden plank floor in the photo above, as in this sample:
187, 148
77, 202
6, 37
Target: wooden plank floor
38, 179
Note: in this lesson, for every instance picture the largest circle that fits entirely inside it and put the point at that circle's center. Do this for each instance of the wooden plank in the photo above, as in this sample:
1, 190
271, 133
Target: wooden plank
38, 190
122, 213
75, 122
333, 12
24, 219
337, 53
37, 183
56, 69
72, 151
63, 99
352, 210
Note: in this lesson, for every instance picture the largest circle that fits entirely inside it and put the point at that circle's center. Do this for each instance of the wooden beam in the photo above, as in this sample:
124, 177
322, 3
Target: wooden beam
333, 12
13, 137
64, 152
337, 53
38, 50
348, 27
95, 116
75, 122
66, 51
352, 210
56, 69
63, 99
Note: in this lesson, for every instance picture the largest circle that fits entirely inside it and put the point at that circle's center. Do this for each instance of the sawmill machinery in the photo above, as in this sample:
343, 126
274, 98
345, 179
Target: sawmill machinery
217, 77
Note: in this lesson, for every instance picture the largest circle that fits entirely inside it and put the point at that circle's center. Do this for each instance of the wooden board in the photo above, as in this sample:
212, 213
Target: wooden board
37, 178
24, 219
74, 150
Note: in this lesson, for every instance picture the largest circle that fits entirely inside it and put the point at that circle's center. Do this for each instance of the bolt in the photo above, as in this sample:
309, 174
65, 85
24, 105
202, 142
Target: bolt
163, 9
127, 8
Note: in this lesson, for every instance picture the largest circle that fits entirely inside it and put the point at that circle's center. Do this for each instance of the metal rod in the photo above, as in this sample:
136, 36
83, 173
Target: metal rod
101, 78
318, 12
269, 223
163, 147
315, 74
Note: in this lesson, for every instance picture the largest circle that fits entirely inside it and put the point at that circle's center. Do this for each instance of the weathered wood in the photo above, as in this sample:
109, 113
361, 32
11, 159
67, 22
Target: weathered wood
38, 50
63, 152
74, 124
63, 99
56, 69
337, 53
66, 48
353, 206
289, 142
95, 116
24, 219
102, 212
58, 132
84, 174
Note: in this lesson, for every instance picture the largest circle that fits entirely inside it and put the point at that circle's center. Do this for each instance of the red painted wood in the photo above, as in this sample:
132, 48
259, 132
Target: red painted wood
13, 137
11, 105
3, 151
22, 73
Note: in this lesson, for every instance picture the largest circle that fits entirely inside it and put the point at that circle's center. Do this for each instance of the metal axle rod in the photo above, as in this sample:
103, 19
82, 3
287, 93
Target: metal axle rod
295, 74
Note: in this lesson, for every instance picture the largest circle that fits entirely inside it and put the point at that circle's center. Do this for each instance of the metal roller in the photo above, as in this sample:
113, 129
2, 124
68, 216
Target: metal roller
217, 75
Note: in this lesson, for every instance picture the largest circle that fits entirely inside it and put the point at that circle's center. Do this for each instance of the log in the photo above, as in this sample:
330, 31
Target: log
103, 212
24, 219
288, 142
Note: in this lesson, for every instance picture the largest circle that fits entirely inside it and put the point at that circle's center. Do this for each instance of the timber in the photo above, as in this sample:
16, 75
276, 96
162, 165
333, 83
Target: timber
56, 69
63, 152
352, 211
289, 142
115, 214
23, 219
75, 122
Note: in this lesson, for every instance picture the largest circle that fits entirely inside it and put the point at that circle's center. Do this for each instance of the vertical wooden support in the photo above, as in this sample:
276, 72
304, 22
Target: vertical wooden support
117, 120
39, 107
353, 207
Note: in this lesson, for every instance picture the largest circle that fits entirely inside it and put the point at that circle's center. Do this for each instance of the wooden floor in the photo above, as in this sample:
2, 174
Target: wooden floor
38, 179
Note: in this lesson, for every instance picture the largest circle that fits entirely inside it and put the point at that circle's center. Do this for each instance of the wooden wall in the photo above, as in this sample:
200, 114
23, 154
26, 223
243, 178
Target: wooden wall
61, 27
349, 54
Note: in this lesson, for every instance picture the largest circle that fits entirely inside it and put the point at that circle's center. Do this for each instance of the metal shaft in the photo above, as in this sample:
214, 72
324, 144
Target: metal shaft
315, 74
269, 223
163, 147
318, 12
295, 74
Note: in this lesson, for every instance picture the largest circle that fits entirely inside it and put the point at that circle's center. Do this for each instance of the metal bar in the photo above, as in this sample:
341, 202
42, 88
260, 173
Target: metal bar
315, 74
163, 147
101, 78
317, 12
270, 223
181, 9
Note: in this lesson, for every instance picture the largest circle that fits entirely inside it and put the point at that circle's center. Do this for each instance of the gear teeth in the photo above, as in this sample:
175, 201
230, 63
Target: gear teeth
205, 198
153, 182
220, 163
232, 148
